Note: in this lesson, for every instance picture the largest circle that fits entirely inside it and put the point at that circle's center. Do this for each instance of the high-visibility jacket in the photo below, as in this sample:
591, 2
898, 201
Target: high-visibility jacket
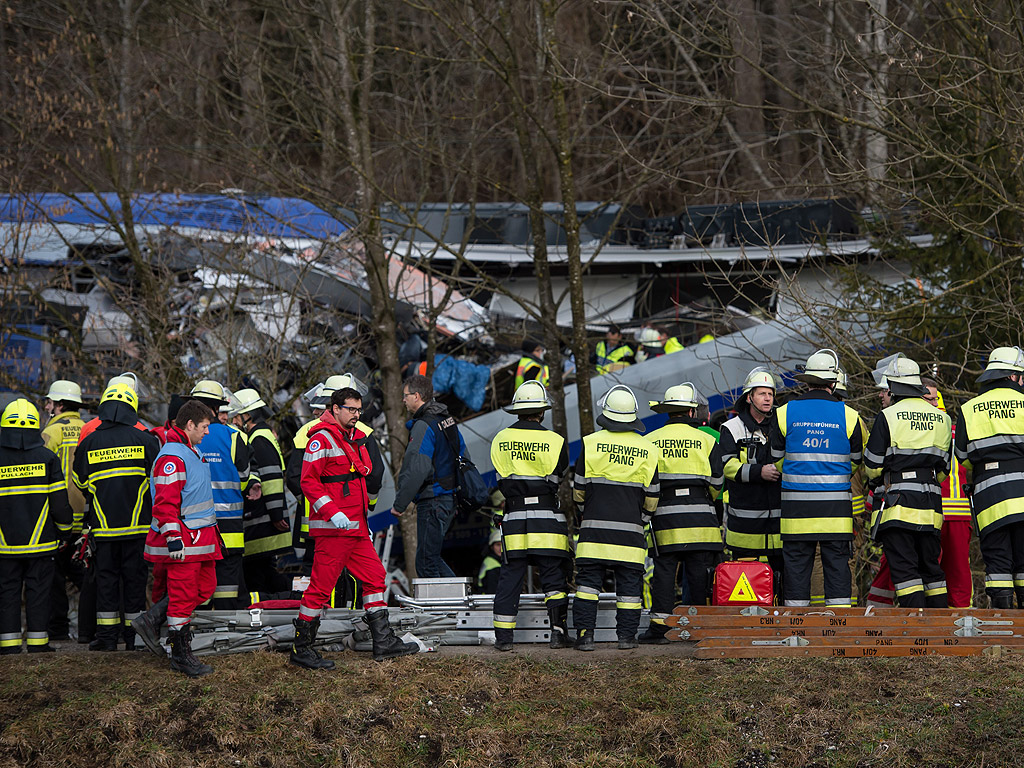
61, 436
227, 455
754, 505
690, 476
955, 505
530, 461
334, 470
532, 369
261, 537
604, 358
818, 445
616, 490
111, 467
183, 505
909, 449
990, 445
34, 510
487, 577
674, 345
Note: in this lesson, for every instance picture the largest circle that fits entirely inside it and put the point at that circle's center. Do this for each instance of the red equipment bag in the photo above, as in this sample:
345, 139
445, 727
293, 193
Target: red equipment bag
743, 582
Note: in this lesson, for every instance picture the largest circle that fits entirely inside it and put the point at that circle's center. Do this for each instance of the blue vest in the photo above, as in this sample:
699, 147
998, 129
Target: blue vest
227, 488
197, 510
817, 447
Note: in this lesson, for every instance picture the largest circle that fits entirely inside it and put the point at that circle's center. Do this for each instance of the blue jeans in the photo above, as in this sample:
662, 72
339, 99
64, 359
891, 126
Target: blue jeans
433, 519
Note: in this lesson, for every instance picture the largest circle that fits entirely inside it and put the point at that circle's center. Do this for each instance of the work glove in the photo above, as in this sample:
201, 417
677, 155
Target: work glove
176, 550
84, 549
340, 520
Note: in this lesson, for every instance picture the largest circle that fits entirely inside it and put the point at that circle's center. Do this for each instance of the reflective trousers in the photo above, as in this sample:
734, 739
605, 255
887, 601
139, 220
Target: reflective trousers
121, 575
189, 585
798, 564
628, 590
34, 575
1003, 551
510, 585
913, 559
332, 554
695, 565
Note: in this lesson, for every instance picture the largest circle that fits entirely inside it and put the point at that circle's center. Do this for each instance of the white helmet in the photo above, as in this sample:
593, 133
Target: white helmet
128, 378
226, 405
901, 376
530, 398
760, 376
320, 395
841, 383
618, 408
207, 389
822, 368
680, 397
1002, 362
244, 401
63, 389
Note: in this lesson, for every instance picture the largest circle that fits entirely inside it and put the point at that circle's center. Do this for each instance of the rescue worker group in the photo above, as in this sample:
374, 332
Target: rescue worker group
201, 499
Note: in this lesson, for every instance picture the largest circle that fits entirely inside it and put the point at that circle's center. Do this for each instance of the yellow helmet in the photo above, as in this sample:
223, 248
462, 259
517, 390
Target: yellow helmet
121, 392
20, 414
209, 390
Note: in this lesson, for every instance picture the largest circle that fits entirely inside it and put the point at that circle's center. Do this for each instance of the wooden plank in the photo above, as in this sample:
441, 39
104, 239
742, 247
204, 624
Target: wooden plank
701, 633
732, 610
852, 652
865, 642
723, 622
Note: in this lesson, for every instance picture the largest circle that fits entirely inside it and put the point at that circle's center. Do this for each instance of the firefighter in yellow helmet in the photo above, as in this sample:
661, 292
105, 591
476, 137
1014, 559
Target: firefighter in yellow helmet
686, 528
616, 490
990, 445
35, 518
818, 445
112, 467
909, 450
531, 461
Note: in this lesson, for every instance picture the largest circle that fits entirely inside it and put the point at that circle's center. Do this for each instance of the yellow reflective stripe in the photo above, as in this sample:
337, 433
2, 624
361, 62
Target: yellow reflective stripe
755, 541
613, 552
859, 507
108, 474
268, 544
587, 596
37, 532
106, 533
233, 540
629, 606
12, 642
910, 590
108, 622
823, 525
26, 549
706, 535
998, 511
504, 624
38, 640
19, 490
912, 515
520, 541
273, 486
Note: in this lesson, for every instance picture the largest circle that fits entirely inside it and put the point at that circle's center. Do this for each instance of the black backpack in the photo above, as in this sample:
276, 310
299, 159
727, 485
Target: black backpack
471, 492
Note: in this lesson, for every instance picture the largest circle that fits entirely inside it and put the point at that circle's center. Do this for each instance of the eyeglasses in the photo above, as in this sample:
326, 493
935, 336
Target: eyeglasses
407, 394
352, 409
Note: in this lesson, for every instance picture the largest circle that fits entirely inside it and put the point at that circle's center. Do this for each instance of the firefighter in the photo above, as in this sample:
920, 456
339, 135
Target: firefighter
531, 461
616, 492
267, 533
490, 568
183, 534
612, 353
751, 479
112, 466
334, 470
60, 435
36, 516
956, 522
685, 526
817, 446
531, 365
881, 593
226, 452
909, 450
990, 445
130, 380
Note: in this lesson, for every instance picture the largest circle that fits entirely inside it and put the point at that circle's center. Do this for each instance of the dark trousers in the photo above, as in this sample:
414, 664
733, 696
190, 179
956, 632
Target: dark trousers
261, 575
798, 563
87, 605
433, 519
34, 576
628, 591
64, 571
510, 584
1003, 552
914, 564
231, 593
121, 576
695, 565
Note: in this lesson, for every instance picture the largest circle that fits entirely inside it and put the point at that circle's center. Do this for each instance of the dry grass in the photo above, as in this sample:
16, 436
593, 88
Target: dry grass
461, 711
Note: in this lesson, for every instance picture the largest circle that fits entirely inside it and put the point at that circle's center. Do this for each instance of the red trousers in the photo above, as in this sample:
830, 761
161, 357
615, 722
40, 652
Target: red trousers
955, 562
189, 584
159, 582
332, 554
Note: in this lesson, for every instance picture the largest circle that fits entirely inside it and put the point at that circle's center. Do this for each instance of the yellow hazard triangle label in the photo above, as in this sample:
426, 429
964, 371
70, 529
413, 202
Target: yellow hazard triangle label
742, 590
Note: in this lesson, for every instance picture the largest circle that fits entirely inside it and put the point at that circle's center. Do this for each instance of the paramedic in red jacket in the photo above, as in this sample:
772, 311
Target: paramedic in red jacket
334, 470
184, 533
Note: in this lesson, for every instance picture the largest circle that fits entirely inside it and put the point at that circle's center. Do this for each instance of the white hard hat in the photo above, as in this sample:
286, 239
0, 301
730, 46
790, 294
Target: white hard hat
63, 389
320, 396
650, 337
245, 400
902, 370
530, 398
207, 389
1002, 362
226, 406
822, 368
760, 376
494, 538
618, 407
677, 398
132, 381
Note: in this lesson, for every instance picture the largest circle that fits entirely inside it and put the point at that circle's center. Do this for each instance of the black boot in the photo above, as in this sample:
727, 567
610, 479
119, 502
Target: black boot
655, 634
386, 644
303, 653
584, 639
182, 658
147, 626
503, 639
104, 643
558, 618
627, 642
41, 649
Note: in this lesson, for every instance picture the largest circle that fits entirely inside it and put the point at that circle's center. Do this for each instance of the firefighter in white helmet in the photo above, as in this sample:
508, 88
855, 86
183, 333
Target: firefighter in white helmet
990, 445
817, 446
531, 461
616, 491
753, 506
909, 450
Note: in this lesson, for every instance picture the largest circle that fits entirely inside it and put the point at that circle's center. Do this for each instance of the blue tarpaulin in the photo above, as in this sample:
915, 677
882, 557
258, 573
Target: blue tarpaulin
467, 381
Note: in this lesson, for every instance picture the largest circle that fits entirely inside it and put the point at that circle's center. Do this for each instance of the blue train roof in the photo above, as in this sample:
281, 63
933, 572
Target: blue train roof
286, 217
